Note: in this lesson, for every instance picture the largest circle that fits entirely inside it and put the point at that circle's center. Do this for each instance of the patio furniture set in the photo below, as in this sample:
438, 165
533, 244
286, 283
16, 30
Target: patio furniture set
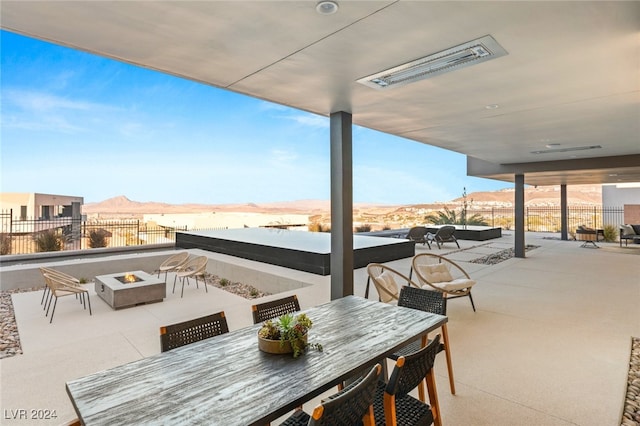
123, 289
352, 359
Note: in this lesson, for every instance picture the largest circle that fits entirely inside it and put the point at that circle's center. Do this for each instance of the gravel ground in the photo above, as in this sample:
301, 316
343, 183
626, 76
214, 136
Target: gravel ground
631, 415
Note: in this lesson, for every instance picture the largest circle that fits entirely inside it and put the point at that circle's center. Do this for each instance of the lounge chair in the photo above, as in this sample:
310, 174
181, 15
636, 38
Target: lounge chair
443, 235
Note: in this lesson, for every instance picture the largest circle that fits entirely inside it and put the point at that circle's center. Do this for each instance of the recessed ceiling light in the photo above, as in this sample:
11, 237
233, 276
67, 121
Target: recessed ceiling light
492, 106
552, 145
327, 7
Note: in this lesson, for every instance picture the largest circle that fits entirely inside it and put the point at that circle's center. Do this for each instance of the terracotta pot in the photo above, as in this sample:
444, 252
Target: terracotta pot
275, 347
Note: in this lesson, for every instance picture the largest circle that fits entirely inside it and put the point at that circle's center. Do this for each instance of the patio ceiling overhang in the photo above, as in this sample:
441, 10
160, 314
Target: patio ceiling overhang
569, 78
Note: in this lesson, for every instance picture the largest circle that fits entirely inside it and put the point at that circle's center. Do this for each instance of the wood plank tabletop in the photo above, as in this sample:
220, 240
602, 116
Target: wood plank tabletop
227, 380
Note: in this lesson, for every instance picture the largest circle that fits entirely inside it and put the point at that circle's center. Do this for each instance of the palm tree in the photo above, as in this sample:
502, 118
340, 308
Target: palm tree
450, 217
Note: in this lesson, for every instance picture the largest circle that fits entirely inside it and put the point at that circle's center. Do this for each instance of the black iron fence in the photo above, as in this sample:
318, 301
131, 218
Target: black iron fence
19, 236
548, 219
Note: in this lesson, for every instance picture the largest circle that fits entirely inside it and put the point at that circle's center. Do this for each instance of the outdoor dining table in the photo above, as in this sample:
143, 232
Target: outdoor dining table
227, 380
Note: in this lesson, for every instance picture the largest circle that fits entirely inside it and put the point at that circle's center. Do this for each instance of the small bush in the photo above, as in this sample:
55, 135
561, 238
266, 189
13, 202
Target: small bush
318, 227
224, 282
49, 240
363, 228
5, 244
97, 238
610, 233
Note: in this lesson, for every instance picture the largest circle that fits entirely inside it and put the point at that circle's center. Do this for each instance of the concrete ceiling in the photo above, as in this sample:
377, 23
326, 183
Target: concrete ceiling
570, 77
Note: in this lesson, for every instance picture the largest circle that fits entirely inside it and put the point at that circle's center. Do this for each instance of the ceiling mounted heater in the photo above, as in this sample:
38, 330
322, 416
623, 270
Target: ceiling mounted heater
463, 55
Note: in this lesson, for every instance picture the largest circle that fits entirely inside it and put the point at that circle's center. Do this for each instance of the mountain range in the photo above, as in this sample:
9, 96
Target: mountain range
583, 195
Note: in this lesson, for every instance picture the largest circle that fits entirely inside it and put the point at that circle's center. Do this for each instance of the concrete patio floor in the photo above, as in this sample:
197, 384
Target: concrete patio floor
548, 345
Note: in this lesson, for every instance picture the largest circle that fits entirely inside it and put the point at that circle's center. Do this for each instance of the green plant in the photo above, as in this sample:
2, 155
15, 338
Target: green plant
224, 282
83, 280
289, 328
450, 217
98, 238
254, 292
49, 240
610, 233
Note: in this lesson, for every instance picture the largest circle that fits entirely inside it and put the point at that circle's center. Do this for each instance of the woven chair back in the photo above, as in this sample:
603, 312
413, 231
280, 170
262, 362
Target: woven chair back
275, 308
184, 333
349, 406
411, 370
423, 299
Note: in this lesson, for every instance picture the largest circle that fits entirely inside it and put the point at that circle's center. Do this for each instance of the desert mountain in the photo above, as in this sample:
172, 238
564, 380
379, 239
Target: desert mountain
587, 195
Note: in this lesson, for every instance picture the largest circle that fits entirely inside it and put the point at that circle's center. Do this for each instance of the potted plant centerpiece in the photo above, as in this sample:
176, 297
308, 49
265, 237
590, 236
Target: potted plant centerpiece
286, 334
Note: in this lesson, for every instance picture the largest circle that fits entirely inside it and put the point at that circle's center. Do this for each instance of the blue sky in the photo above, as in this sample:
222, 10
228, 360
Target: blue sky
77, 124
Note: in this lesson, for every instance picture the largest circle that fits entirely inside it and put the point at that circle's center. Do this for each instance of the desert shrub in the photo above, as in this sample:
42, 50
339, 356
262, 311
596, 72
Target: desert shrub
363, 228
386, 227
97, 238
318, 227
610, 233
49, 240
5, 244
224, 282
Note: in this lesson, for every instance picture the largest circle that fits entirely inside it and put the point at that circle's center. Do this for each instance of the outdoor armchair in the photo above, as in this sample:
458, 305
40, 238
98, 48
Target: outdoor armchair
194, 268
60, 287
441, 274
387, 281
173, 263
443, 235
70, 280
418, 235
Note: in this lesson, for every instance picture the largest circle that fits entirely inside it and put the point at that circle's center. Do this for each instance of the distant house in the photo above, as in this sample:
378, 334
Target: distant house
24, 205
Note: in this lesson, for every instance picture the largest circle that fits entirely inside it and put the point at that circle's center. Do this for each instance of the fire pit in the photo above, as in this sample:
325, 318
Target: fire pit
125, 289
129, 278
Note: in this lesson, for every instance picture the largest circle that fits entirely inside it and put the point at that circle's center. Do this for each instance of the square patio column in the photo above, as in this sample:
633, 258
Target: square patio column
341, 205
519, 216
563, 213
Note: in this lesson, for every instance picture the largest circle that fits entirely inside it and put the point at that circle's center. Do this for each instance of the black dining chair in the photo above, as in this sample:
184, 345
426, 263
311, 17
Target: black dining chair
353, 405
394, 406
435, 303
275, 308
186, 332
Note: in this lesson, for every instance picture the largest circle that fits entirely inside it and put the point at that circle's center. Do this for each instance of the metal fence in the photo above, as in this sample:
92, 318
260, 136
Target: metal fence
548, 219
33, 235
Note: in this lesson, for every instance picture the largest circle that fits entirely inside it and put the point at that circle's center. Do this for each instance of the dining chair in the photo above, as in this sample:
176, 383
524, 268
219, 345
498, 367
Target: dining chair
435, 303
275, 308
182, 333
193, 268
60, 287
394, 406
353, 405
173, 263
441, 274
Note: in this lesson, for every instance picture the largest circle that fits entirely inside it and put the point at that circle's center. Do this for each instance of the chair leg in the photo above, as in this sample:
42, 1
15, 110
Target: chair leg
472, 304
89, 300
174, 284
44, 293
54, 310
433, 398
447, 353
